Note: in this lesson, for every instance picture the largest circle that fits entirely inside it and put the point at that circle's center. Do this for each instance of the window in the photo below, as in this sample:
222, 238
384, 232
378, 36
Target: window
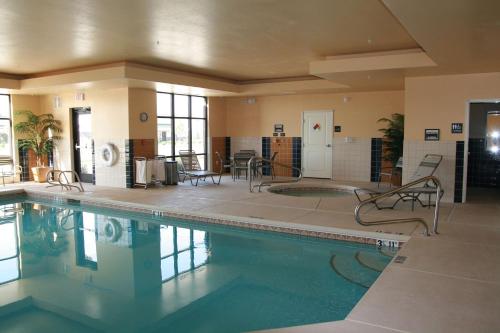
9, 249
5, 127
181, 250
182, 125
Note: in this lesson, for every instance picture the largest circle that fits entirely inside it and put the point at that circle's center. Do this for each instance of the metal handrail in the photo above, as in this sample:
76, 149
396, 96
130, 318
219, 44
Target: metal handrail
51, 178
67, 183
401, 189
252, 161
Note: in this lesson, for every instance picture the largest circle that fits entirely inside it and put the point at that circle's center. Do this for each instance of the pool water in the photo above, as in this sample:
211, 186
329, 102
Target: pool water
116, 271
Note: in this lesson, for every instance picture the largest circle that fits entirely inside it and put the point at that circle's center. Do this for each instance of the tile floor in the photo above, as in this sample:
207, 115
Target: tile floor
449, 283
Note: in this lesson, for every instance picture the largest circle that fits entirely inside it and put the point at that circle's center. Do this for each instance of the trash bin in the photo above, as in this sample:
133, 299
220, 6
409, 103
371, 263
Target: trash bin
171, 173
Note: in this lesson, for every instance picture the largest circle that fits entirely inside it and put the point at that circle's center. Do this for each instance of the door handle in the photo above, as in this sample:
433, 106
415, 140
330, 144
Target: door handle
328, 145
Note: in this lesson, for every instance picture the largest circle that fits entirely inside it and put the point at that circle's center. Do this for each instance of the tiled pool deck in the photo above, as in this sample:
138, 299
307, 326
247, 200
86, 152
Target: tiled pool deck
449, 282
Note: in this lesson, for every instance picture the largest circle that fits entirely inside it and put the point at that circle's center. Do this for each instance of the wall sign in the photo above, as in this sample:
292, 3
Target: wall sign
337, 129
278, 128
432, 134
457, 128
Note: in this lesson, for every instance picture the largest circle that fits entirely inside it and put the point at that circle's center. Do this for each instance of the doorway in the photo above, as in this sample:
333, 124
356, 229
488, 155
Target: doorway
317, 134
82, 143
483, 158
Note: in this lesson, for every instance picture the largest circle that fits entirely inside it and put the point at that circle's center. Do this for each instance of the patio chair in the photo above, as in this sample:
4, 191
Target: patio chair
190, 168
427, 167
240, 162
9, 169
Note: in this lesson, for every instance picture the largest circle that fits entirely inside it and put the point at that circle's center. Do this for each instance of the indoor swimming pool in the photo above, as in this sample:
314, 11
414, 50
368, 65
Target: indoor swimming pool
88, 268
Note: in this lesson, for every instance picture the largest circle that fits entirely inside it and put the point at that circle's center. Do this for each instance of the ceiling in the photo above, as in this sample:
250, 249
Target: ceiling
256, 45
232, 39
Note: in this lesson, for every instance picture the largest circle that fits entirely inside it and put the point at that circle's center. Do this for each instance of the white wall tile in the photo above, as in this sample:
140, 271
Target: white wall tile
351, 160
113, 176
246, 143
415, 150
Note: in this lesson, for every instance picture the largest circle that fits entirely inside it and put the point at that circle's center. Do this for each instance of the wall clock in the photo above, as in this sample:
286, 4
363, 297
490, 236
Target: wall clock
143, 116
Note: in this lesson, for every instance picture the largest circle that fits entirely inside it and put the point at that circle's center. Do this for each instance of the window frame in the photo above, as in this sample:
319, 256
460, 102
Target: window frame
15, 222
189, 118
11, 134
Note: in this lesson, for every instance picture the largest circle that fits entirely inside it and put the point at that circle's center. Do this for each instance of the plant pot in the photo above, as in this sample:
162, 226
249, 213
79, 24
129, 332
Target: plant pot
40, 174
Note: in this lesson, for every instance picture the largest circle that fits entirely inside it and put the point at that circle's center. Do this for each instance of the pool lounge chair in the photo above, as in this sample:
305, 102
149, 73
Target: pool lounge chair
427, 167
190, 168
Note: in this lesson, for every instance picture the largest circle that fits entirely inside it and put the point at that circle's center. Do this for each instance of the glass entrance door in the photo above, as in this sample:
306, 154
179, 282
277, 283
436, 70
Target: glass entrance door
82, 140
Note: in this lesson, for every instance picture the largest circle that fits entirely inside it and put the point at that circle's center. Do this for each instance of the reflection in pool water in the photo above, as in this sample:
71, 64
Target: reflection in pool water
125, 272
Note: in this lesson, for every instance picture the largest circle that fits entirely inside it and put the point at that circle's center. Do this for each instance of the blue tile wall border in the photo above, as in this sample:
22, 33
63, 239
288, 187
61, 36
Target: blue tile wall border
483, 168
24, 162
459, 171
266, 153
296, 155
129, 163
376, 159
227, 143
93, 162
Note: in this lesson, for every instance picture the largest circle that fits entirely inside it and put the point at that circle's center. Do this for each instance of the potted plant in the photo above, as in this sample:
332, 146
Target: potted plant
39, 133
393, 138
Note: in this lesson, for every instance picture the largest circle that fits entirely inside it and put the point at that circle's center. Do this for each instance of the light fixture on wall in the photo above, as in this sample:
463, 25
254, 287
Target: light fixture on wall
80, 96
251, 100
57, 102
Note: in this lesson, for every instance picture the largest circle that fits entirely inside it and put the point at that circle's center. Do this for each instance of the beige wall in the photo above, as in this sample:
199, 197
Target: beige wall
358, 116
142, 100
217, 116
438, 101
23, 103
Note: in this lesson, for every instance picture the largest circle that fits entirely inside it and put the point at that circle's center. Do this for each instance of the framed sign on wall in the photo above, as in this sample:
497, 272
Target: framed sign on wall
432, 134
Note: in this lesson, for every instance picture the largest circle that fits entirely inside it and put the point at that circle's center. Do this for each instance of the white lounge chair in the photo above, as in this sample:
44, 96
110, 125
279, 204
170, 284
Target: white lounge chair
427, 167
190, 168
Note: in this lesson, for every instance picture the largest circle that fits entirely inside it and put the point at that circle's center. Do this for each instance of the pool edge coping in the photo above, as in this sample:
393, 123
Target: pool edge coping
333, 233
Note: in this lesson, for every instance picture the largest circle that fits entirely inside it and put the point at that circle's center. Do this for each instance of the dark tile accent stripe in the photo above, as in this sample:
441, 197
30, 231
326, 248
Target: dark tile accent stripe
266, 153
93, 162
129, 163
483, 168
296, 155
459, 171
228, 150
50, 158
376, 159
24, 163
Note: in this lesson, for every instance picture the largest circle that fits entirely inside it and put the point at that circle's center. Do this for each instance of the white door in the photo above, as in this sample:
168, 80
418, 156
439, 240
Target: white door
317, 144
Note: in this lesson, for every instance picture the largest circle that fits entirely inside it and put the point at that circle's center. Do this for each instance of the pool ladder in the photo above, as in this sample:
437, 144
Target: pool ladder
252, 168
374, 199
59, 178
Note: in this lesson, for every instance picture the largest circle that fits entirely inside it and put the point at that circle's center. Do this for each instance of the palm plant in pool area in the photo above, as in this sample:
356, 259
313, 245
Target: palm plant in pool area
393, 137
35, 130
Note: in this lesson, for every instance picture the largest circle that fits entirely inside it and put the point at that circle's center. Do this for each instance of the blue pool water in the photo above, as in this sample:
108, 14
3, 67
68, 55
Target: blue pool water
89, 269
